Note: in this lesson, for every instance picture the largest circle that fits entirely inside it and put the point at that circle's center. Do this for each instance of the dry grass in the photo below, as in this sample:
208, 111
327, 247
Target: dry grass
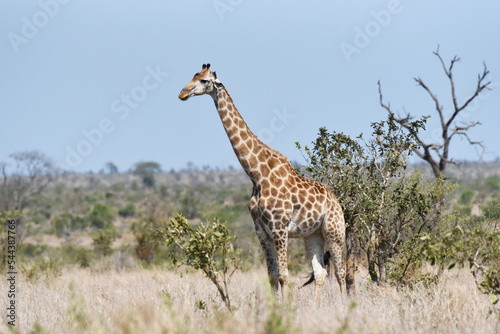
155, 301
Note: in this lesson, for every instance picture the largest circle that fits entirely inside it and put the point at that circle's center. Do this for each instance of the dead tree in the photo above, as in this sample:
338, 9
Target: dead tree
436, 154
31, 174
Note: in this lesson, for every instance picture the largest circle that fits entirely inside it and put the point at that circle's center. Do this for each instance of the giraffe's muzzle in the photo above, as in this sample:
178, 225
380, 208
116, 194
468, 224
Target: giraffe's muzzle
184, 95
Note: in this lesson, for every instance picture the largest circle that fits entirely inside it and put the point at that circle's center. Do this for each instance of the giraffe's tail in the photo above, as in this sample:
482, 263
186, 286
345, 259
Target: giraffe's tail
326, 260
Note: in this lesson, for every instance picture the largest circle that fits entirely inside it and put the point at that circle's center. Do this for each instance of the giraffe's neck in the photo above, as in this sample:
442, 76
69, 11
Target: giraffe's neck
248, 149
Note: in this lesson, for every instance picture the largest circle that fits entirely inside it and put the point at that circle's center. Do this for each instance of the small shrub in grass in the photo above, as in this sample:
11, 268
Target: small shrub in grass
65, 223
207, 247
492, 210
31, 251
127, 211
146, 245
474, 245
46, 267
78, 255
492, 183
32, 274
466, 196
102, 243
101, 216
145, 232
118, 187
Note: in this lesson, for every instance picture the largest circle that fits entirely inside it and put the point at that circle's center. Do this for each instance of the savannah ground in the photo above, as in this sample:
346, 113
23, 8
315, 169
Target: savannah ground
102, 299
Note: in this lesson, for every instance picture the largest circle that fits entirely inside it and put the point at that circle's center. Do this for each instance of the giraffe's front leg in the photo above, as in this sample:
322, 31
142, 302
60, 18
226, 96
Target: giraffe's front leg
270, 254
280, 237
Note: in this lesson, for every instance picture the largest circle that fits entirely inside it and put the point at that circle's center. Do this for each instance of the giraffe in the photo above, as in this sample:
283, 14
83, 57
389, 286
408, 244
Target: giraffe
283, 203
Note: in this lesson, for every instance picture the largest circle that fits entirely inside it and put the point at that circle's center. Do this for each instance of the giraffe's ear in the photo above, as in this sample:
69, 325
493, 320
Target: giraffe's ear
215, 75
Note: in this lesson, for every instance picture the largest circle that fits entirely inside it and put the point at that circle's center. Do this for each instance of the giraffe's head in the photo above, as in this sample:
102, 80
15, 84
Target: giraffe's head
203, 82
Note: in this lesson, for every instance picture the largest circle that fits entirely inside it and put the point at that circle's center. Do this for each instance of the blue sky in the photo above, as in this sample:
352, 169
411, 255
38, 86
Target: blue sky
89, 82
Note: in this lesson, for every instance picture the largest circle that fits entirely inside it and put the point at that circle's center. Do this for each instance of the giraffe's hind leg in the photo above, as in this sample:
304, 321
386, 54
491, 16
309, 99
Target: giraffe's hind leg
338, 265
315, 245
334, 233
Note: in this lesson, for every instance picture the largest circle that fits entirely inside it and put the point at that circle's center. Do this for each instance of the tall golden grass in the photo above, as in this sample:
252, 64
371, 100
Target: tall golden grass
156, 301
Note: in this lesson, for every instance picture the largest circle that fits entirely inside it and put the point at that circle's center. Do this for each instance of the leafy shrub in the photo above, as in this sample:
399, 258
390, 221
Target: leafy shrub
492, 210
65, 223
492, 183
145, 232
384, 206
146, 246
127, 211
190, 205
466, 196
472, 243
48, 267
207, 247
102, 243
31, 250
101, 216
118, 187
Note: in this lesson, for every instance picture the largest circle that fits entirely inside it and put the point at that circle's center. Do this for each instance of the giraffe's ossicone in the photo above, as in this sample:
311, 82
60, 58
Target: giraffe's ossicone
283, 203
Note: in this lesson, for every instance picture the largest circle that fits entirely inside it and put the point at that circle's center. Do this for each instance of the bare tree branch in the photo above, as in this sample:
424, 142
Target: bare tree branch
441, 149
480, 87
439, 107
404, 122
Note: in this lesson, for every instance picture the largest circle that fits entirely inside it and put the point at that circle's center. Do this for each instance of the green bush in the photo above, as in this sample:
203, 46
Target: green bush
491, 210
466, 196
49, 268
492, 183
147, 237
127, 211
384, 206
31, 251
207, 247
469, 242
102, 242
118, 187
190, 205
101, 216
65, 223
67, 254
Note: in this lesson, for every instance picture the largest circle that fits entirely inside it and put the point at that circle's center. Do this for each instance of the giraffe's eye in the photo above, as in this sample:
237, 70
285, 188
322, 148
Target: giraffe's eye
203, 81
